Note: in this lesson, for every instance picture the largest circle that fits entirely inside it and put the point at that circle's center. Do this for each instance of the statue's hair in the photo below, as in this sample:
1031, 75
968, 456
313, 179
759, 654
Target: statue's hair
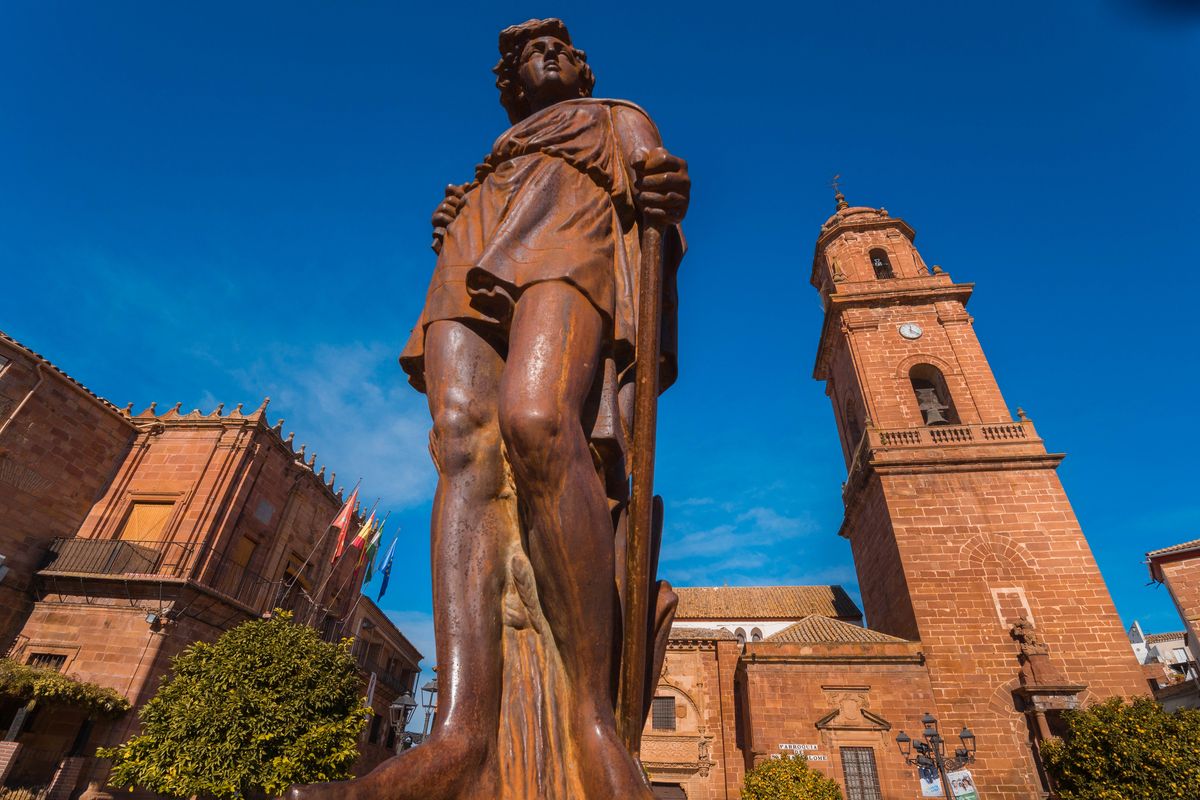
512, 43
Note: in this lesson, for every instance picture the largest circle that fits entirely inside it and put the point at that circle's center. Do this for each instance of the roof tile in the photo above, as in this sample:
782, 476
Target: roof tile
817, 629
764, 602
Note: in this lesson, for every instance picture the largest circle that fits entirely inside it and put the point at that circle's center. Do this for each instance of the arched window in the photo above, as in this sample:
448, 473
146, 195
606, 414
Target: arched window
756, 635
881, 265
740, 633
933, 397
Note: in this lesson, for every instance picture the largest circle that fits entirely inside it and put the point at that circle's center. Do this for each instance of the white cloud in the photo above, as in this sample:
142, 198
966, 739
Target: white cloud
417, 627
742, 542
351, 404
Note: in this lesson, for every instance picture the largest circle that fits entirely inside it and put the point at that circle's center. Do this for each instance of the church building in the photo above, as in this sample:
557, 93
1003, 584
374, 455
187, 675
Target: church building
984, 605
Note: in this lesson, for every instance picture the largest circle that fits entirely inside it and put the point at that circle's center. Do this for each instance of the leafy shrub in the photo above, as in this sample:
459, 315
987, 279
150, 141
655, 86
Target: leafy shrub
1118, 751
267, 705
788, 778
32, 685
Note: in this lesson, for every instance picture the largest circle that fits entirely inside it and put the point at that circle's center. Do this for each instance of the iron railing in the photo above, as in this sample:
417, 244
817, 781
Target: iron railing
201, 564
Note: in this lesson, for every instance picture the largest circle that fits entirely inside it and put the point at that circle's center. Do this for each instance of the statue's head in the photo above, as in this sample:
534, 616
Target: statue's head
539, 66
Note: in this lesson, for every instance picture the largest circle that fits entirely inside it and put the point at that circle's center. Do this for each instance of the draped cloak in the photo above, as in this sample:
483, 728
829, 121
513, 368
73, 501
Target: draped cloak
554, 200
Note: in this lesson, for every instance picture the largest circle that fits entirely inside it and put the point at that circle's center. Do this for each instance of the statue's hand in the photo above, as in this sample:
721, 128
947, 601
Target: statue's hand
446, 212
663, 186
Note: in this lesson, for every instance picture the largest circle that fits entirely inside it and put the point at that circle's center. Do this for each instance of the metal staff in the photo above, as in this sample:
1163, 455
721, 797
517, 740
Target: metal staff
635, 645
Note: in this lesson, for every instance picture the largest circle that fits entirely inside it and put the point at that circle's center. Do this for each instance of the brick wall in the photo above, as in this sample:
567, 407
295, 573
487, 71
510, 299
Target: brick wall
958, 531
59, 448
817, 699
1182, 577
700, 752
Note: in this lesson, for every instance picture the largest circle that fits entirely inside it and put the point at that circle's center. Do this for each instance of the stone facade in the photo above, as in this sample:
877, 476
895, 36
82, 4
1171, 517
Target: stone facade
957, 520
166, 529
59, 447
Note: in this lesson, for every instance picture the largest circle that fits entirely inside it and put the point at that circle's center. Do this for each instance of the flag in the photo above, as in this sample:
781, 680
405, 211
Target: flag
342, 523
387, 568
372, 551
363, 536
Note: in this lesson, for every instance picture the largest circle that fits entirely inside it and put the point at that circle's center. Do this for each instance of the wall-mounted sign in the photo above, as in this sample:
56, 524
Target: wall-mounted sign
796, 748
816, 757
962, 785
931, 782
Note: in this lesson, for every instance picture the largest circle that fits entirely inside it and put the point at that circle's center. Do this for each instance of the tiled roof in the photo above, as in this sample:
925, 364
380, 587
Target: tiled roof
1155, 638
817, 629
6, 339
1174, 548
763, 602
701, 633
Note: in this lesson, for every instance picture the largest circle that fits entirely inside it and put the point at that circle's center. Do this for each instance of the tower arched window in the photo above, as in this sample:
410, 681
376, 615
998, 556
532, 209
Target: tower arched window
933, 396
881, 264
740, 633
756, 635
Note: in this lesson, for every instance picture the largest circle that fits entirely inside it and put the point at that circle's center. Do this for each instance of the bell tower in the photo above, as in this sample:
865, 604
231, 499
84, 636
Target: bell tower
955, 515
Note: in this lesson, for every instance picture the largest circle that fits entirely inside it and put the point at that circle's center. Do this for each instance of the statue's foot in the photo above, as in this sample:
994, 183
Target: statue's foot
440, 768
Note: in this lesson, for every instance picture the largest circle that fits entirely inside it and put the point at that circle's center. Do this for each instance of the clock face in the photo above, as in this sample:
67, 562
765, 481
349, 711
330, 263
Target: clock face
911, 330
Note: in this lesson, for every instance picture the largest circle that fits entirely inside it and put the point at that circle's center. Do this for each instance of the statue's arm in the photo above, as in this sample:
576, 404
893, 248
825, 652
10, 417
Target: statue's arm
662, 187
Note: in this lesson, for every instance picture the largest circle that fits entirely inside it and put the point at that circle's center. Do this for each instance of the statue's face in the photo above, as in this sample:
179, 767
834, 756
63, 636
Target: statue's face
549, 71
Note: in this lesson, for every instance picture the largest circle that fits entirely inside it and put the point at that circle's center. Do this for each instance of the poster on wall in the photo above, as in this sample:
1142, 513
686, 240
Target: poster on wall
962, 785
931, 782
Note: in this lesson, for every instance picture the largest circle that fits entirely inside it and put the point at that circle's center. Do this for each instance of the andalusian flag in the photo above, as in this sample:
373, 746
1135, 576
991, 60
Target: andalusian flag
372, 551
387, 568
342, 523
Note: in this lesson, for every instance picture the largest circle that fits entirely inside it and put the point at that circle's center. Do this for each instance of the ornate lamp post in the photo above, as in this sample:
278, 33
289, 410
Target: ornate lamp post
931, 753
399, 713
429, 690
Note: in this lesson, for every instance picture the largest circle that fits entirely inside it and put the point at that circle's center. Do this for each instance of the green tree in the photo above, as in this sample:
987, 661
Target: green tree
788, 778
1119, 751
267, 705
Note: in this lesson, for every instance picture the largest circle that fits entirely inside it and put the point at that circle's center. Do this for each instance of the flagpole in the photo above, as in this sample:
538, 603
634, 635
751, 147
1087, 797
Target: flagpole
317, 595
362, 552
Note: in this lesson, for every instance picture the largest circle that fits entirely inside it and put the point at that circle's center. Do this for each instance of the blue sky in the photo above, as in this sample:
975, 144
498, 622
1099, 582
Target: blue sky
220, 201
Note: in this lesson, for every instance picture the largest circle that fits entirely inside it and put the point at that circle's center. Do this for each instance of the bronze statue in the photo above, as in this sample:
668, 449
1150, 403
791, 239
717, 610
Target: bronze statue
549, 319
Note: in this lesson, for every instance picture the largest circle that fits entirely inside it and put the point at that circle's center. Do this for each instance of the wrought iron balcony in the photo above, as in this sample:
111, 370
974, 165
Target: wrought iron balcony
163, 562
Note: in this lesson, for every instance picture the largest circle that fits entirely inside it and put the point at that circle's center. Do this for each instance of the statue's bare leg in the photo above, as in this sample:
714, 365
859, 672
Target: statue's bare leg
458, 761
554, 350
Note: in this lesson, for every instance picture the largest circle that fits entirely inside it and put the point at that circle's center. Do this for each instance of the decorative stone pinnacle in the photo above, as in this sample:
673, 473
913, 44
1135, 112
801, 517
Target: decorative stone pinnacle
1021, 415
219, 409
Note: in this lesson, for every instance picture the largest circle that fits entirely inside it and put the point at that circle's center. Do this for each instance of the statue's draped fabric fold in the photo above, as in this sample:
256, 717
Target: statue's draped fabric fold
554, 200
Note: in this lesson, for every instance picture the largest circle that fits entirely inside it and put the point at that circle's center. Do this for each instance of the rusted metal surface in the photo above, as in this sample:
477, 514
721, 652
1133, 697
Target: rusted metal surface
547, 334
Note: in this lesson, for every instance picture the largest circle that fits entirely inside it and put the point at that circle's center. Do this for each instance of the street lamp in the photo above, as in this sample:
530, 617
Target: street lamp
931, 753
400, 712
429, 690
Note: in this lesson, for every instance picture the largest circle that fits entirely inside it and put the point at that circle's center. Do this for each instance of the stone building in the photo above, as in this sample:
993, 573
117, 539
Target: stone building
1178, 568
130, 536
984, 603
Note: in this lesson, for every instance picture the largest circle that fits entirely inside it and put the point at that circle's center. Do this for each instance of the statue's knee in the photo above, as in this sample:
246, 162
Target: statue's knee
458, 439
532, 433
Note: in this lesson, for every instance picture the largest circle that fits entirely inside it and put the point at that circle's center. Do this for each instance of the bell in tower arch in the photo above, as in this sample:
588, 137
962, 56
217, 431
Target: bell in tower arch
931, 406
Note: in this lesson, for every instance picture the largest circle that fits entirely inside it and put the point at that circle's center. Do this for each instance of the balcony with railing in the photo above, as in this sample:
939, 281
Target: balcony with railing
934, 445
160, 562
